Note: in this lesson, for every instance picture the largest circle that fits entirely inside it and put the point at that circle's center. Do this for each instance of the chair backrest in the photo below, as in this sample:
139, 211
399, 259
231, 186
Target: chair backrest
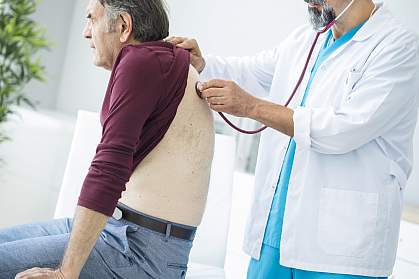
86, 137
211, 239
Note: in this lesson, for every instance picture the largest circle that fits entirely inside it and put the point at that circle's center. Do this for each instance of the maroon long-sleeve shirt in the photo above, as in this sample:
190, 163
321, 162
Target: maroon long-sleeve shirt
147, 83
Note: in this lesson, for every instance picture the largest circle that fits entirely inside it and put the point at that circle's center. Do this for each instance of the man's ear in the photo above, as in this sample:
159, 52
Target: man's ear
126, 27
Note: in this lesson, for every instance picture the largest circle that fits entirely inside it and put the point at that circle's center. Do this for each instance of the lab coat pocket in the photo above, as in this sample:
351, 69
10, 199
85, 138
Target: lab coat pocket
351, 80
347, 222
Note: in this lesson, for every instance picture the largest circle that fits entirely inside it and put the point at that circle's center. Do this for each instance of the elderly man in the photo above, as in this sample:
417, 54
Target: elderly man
157, 143
331, 171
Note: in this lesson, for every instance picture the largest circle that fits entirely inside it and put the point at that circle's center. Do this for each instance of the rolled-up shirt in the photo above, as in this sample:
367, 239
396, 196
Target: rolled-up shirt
146, 86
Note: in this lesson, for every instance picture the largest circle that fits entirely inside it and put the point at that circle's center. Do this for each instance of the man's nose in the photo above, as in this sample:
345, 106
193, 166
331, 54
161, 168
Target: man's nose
87, 32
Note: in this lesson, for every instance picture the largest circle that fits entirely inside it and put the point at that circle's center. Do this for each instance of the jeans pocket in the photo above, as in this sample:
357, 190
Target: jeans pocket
114, 247
179, 270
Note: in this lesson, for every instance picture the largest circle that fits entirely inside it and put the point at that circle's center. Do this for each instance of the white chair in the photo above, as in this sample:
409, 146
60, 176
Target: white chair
86, 137
208, 253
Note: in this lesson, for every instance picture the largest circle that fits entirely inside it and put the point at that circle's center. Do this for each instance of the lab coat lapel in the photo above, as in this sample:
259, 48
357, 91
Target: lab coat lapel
296, 102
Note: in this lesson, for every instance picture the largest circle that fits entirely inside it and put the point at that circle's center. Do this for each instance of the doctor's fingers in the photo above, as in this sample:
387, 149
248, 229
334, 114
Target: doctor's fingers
216, 101
213, 92
216, 83
176, 40
217, 108
186, 43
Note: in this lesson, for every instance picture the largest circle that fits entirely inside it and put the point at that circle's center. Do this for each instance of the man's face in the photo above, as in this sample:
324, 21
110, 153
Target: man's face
103, 40
321, 13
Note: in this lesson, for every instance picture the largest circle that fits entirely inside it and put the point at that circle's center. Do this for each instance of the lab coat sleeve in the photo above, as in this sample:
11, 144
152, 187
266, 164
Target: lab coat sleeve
253, 73
385, 93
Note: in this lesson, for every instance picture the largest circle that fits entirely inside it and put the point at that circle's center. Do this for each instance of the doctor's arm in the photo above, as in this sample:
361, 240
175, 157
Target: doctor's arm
384, 95
253, 73
228, 97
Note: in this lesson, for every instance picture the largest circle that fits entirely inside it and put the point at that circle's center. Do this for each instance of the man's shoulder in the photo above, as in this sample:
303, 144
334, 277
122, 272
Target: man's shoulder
136, 58
152, 58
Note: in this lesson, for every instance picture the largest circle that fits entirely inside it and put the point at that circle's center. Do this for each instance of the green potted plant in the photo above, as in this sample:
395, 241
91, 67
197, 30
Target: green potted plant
21, 39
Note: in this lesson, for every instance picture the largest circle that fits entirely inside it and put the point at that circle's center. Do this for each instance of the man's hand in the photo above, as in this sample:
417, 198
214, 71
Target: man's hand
87, 226
227, 96
41, 273
191, 45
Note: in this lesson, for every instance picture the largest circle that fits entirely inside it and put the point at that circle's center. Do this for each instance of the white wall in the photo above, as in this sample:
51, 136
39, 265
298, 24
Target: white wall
55, 16
236, 27
406, 11
82, 84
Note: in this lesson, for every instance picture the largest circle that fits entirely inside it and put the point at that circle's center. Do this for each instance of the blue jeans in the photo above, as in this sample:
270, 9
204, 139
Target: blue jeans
123, 250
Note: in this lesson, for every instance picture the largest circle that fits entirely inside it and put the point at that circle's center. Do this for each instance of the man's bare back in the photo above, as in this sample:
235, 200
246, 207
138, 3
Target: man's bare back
172, 181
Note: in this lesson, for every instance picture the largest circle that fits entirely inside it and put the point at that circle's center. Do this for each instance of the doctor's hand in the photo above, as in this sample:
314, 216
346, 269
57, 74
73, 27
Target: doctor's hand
190, 45
227, 96
41, 273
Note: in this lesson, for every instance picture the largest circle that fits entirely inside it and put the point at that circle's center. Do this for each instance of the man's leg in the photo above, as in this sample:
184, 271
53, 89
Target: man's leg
123, 250
53, 227
268, 267
43, 245
46, 251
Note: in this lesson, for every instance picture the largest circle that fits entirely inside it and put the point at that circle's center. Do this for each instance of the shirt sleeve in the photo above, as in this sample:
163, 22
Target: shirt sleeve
385, 93
136, 90
252, 73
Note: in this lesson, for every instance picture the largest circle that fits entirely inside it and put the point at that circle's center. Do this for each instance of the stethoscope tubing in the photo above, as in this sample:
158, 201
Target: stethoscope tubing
300, 80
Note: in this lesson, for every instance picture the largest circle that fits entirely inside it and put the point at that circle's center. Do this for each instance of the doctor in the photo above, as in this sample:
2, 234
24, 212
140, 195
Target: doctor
332, 169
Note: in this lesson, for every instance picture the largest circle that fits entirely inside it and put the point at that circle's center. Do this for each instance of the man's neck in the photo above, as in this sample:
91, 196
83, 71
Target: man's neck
357, 14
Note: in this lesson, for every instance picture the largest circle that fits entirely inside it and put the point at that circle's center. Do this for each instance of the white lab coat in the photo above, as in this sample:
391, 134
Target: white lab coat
354, 146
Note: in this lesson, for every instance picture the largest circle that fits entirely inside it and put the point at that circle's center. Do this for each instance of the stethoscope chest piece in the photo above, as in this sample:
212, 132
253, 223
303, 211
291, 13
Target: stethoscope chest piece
198, 92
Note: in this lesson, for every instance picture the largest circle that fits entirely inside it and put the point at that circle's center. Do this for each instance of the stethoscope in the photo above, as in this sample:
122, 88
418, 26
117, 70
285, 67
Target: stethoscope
300, 80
